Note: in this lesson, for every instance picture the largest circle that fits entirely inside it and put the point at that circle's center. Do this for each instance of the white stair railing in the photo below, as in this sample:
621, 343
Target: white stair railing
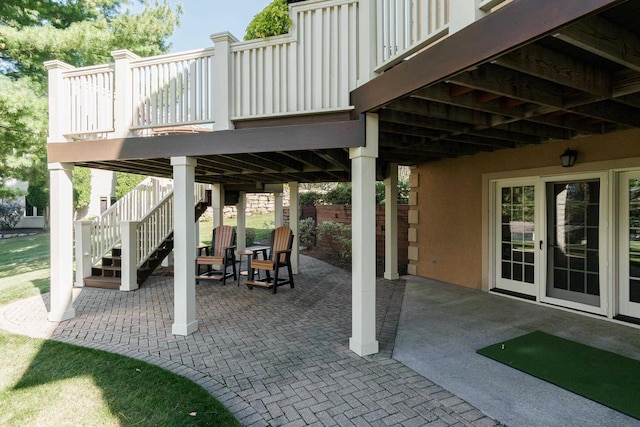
157, 225
153, 229
142, 238
105, 230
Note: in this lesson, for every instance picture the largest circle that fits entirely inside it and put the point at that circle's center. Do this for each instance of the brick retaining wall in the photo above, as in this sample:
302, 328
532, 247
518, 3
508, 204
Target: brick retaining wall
342, 214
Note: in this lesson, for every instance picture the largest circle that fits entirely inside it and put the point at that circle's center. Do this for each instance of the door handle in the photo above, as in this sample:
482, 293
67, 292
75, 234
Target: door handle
540, 244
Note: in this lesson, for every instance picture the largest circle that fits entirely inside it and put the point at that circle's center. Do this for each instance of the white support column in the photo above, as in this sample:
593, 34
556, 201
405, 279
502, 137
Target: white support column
391, 224
294, 220
217, 204
221, 86
363, 177
57, 100
367, 37
241, 229
463, 13
61, 211
83, 251
129, 258
184, 321
123, 101
278, 210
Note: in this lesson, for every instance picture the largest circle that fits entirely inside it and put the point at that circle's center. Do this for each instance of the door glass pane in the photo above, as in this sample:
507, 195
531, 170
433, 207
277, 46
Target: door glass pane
573, 258
634, 240
518, 231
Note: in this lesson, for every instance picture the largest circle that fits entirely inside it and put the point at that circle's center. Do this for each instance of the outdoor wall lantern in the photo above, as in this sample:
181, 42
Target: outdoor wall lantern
568, 158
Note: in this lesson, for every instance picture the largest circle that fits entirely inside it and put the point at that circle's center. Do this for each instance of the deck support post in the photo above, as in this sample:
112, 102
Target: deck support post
184, 320
83, 251
128, 255
241, 229
278, 209
391, 223
363, 176
294, 219
61, 211
217, 204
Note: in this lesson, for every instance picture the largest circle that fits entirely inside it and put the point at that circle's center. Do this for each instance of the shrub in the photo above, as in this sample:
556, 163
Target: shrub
273, 20
403, 192
126, 182
336, 237
307, 230
10, 214
310, 198
340, 195
81, 187
251, 237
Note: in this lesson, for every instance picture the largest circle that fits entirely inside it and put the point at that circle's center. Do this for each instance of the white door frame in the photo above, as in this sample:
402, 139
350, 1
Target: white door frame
498, 282
604, 245
625, 307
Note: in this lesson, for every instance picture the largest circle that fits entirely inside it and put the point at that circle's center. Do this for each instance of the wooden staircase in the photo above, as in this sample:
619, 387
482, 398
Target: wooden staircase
108, 275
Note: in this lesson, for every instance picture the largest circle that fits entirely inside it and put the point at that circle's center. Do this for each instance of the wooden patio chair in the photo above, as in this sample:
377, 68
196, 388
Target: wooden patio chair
279, 256
222, 254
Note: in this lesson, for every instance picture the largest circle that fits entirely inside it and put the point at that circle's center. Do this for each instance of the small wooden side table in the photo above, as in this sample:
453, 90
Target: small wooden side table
248, 253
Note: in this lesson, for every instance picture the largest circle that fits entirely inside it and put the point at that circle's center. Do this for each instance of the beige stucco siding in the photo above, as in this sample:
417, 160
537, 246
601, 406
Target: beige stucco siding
453, 200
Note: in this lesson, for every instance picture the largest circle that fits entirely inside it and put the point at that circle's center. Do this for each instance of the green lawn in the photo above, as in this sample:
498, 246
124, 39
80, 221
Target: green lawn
260, 224
48, 383
24, 270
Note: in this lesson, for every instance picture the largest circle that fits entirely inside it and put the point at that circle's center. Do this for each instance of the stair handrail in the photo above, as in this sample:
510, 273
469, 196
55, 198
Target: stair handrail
105, 229
154, 228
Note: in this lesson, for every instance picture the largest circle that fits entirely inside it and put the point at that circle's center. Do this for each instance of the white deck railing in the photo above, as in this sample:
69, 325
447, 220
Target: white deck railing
89, 98
173, 89
310, 70
105, 230
405, 26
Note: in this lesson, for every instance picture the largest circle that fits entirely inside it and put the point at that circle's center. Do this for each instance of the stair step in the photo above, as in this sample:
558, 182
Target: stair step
110, 268
102, 282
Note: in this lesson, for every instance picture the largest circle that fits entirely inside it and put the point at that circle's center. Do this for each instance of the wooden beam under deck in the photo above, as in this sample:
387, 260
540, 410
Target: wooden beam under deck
504, 30
334, 135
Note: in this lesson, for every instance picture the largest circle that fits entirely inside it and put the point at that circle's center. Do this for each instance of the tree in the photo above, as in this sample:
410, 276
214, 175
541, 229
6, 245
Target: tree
273, 20
126, 182
79, 32
81, 188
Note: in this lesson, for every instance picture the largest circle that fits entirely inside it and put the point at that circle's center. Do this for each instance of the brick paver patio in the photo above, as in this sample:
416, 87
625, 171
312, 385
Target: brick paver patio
271, 359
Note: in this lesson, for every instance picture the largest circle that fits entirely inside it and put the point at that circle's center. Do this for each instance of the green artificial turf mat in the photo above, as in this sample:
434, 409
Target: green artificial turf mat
599, 375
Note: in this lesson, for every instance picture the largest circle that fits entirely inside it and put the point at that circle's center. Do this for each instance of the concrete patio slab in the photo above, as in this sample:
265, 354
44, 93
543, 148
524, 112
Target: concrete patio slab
442, 326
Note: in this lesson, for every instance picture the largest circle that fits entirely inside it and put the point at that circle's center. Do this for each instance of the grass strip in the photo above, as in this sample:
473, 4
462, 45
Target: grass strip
49, 383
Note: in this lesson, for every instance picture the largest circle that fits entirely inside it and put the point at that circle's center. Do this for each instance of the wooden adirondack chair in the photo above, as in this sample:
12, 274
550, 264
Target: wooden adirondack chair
279, 256
222, 254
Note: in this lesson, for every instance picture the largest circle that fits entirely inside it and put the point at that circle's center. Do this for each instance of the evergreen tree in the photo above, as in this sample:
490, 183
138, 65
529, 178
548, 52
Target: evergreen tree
79, 32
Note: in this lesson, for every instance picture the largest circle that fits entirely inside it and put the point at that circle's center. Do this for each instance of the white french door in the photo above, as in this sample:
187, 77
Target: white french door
629, 241
516, 233
549, 239
576, 237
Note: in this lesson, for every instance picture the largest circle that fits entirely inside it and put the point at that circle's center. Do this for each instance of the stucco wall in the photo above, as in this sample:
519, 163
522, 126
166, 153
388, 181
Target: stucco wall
450, 207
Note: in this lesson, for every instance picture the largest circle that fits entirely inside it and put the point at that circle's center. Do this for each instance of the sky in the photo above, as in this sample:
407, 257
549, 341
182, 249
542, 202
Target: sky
201, 18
